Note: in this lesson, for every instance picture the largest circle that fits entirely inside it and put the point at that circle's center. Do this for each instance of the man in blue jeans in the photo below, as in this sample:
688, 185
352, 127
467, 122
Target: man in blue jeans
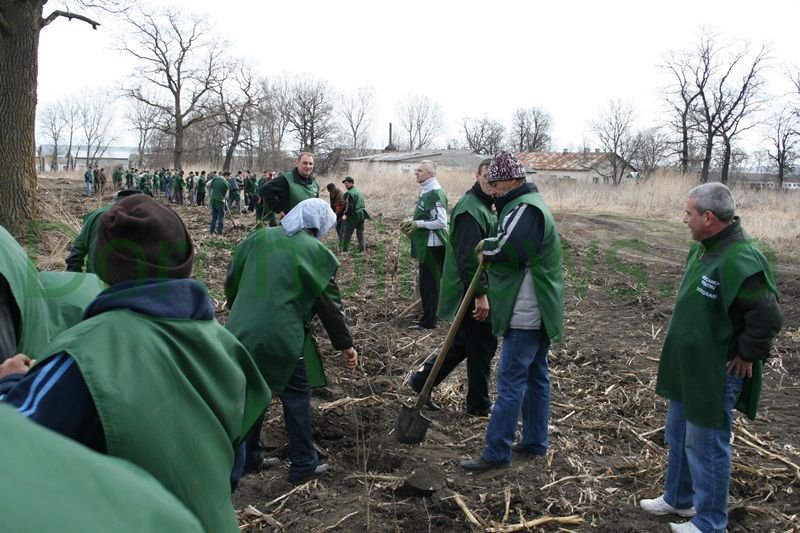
725, 318
526, 294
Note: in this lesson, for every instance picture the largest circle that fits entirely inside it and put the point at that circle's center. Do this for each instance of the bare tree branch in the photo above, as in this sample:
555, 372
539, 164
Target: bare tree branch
66, 14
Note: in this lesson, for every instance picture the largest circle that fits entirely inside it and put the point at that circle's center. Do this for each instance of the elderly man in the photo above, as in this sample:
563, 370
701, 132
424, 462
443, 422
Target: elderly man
279, 278
472, 221
149, 373
281, 194
526, 292
428, 233
725, 318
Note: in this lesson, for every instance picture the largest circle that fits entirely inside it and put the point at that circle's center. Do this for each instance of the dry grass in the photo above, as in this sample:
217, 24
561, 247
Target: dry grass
767, 215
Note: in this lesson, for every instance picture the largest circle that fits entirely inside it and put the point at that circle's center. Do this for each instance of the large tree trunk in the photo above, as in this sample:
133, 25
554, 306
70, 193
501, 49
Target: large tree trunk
707, 160
19, 45
726, 161
177, 160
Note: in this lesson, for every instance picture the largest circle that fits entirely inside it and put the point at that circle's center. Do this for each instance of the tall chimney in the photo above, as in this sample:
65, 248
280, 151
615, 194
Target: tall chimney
391, 147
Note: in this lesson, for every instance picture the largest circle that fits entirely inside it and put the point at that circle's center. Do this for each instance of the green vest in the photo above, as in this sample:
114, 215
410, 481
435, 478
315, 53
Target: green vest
452, 288
299, 192
505, 279
68, 294
84, 491
419, 239
275, 281
176, 400
23, 279
360, 213
693, 364
86, 241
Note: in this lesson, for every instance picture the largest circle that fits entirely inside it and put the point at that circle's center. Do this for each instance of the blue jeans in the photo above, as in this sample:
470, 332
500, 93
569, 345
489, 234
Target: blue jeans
522, 384
699, 463
296, 400
89, 188
217, 217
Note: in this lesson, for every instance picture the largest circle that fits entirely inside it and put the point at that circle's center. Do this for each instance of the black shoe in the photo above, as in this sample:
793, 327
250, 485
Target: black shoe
416, 327
520, 449
479, 413
479, 464
318, 471
259, 465
432, 406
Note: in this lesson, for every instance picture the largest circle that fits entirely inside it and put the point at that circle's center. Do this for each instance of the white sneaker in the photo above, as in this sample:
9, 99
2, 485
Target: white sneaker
686, 527
658, 506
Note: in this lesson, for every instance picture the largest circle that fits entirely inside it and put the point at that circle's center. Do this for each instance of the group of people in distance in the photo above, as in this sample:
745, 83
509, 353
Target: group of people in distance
128, 359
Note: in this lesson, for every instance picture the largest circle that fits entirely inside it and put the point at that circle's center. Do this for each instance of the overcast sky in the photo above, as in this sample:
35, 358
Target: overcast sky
570, 57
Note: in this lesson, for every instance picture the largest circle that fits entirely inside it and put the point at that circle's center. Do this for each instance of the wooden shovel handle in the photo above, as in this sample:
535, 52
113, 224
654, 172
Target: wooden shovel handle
451, 334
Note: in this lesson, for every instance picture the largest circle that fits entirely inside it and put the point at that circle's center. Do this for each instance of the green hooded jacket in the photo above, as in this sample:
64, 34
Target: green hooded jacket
274, 281
84, 491
199, 404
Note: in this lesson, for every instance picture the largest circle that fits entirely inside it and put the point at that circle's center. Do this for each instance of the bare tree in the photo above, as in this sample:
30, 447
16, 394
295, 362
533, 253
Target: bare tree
271, 121
614, 130
96, 115
143, 119
421, 119
70, 114
681, 98
531, 129
311, 114
51, 124
783, 140
730, 94
357, 110
653, 150
483, 135
238, 99
21, 22
180, 63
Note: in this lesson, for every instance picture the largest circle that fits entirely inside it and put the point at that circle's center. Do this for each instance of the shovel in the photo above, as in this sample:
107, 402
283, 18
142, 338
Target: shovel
411, 425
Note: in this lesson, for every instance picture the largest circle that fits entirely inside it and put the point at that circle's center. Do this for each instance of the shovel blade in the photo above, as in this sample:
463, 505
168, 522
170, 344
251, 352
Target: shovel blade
411, 426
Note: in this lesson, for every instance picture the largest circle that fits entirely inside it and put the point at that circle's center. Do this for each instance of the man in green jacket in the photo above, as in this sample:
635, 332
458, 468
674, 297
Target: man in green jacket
428, 233
278, 280
281, 194
85, 492
218, 186
526, 292
472, 220
84, 244
149, 375
725, 318
355, 213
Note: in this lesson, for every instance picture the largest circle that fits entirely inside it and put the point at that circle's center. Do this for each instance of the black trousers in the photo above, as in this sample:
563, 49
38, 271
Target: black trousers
430, 272
474, 342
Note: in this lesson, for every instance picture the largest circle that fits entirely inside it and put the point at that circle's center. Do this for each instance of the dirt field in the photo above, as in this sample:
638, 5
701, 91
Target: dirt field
606, 428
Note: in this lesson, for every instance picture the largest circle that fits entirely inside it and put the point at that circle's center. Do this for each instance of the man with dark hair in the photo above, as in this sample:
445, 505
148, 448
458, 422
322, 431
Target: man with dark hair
287, 274
201, 189
154, 325
725, 318
472, 220
526, 292
428, 233
355, 213
281, 194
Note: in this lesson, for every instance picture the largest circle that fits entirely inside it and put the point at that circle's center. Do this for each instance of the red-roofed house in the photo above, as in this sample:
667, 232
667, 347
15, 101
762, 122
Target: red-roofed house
583, 166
